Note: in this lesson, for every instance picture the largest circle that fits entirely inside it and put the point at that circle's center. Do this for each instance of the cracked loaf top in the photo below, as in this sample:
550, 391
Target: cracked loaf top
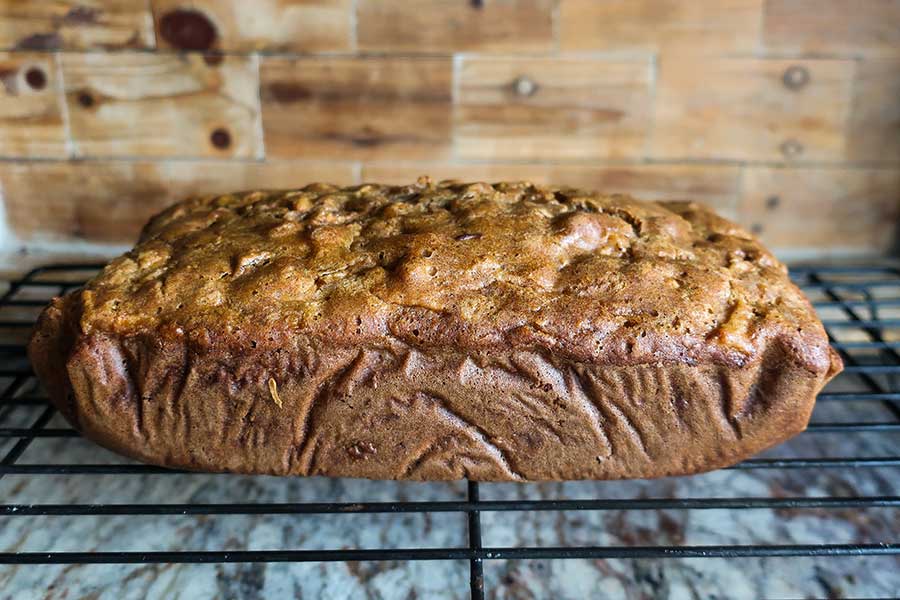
474, 267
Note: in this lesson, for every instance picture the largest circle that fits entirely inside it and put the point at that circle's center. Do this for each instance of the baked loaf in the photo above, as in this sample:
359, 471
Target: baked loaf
437, 331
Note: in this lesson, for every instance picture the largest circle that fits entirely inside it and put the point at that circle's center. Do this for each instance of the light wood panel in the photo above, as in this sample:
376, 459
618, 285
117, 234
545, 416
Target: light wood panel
81, 24
357, 108
455, 25
814, 209
552, 108
102, 201
697, 26
31, 119
874, 130
752, 109
845, 27
270, 25
730, 102
162, 105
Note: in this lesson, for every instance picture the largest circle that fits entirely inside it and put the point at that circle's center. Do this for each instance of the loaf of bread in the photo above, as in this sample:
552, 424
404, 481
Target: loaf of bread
437, 331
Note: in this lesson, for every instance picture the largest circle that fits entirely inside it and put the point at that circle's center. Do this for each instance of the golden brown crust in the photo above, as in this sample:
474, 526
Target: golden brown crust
241, 328
602, 279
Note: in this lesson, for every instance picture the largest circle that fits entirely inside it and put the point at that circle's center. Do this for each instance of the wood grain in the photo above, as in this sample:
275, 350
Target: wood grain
109, 201
455, 25
162, 105
715, 185
75, 25
31, 119
701, 26
814, 209
730, 102
752, 109
843, 27
874, 130
270, 25
357, 108
552, 108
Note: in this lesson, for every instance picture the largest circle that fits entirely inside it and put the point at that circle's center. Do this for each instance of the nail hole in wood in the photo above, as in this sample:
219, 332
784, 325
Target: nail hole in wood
220, 138
795, 77
36, 78
791, 148
85, 99
524, 86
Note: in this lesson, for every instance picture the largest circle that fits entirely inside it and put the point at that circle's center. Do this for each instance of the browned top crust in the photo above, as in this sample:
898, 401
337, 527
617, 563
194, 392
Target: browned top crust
597, 278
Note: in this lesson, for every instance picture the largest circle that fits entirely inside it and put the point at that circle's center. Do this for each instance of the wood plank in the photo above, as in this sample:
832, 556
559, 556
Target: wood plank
109, 201
75, 25
357, 108
162, 105
703, 26
818, 209
402, 173
455, 25
752, 109
835, 27
270, 25
874, 129
552, 108
715, 185
31, 119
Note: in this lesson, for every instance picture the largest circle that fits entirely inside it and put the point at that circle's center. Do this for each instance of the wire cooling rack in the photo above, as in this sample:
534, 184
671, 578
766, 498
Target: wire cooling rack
860, 307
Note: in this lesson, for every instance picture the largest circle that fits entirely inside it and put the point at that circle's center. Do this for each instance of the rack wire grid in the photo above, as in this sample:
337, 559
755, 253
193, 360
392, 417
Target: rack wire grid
858, 412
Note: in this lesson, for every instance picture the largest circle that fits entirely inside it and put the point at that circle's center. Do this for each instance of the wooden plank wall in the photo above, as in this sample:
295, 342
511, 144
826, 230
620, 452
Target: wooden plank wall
783, 114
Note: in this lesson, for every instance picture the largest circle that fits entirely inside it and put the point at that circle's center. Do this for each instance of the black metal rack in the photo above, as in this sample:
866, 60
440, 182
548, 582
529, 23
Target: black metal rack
860, 307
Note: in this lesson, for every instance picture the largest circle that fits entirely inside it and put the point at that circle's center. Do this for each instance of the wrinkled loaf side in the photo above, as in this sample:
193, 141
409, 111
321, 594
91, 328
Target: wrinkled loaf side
437, 331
